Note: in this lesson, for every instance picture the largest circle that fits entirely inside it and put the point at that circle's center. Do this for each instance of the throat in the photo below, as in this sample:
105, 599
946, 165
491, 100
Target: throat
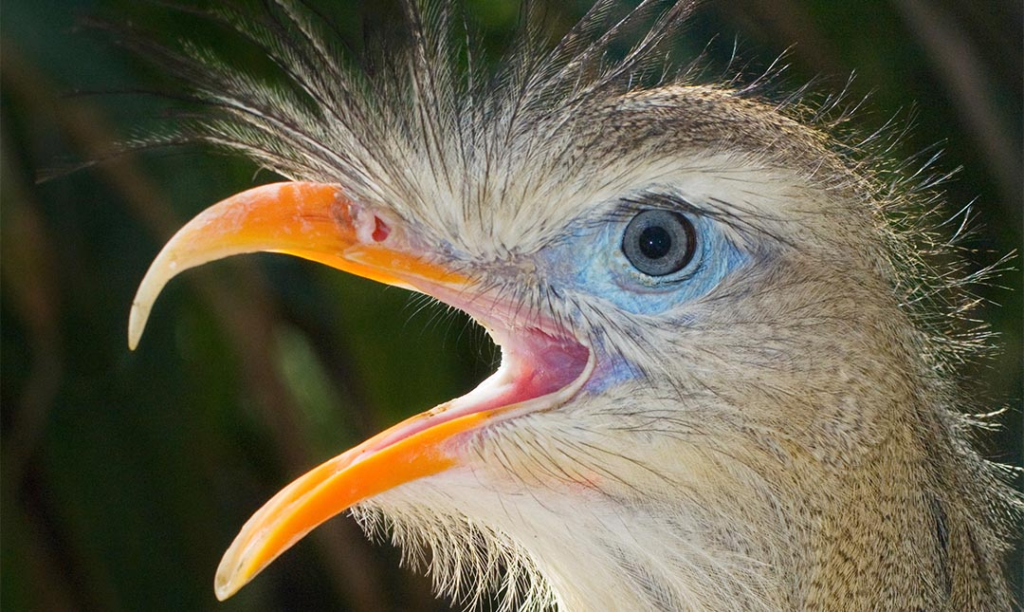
638, 560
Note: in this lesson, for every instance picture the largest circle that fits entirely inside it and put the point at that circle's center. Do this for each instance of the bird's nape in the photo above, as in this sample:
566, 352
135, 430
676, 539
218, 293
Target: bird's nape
721, 381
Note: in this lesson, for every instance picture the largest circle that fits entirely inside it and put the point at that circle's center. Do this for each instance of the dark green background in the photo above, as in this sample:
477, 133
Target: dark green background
126, 475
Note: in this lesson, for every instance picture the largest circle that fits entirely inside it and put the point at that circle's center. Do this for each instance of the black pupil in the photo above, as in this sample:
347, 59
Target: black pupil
655, 242
659, 242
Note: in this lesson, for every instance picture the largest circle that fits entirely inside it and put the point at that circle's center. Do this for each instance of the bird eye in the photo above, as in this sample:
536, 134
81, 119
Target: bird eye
659, 242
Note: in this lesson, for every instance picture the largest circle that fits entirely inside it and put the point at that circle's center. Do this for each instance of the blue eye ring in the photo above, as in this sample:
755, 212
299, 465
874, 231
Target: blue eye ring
659, 242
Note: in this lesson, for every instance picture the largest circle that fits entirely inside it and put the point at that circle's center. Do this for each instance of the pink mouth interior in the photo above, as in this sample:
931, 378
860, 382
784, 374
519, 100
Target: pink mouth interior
540, 364
534, 364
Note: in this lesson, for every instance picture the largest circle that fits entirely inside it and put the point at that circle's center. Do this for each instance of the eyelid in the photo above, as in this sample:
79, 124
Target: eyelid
629, 206
661, 284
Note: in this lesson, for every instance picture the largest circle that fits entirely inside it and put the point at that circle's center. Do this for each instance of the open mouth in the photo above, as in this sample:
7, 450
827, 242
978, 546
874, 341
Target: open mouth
542, 363
537, 372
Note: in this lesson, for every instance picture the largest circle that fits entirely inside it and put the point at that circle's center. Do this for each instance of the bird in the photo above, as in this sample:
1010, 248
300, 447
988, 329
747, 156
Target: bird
729, 374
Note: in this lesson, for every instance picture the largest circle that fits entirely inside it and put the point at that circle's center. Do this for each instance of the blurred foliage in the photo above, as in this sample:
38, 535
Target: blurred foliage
126, 475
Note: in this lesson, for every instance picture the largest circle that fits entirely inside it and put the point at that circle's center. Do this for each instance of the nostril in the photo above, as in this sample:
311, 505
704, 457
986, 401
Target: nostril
380, 230
369, 226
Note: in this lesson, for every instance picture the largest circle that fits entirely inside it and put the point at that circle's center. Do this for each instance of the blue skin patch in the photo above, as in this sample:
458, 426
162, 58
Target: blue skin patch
591, 261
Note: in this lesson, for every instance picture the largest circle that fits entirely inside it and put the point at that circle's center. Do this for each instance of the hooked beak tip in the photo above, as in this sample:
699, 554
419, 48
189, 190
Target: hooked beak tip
314, 221
136, 324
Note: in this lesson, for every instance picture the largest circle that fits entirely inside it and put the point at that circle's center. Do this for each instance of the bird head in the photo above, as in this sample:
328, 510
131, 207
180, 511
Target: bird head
698, 299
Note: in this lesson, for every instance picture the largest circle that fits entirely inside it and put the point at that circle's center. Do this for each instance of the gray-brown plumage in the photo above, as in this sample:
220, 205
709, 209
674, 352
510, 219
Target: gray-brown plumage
775, 424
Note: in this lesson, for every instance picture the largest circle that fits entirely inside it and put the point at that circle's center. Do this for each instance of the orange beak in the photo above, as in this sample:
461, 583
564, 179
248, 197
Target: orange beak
541, 368
309, 220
